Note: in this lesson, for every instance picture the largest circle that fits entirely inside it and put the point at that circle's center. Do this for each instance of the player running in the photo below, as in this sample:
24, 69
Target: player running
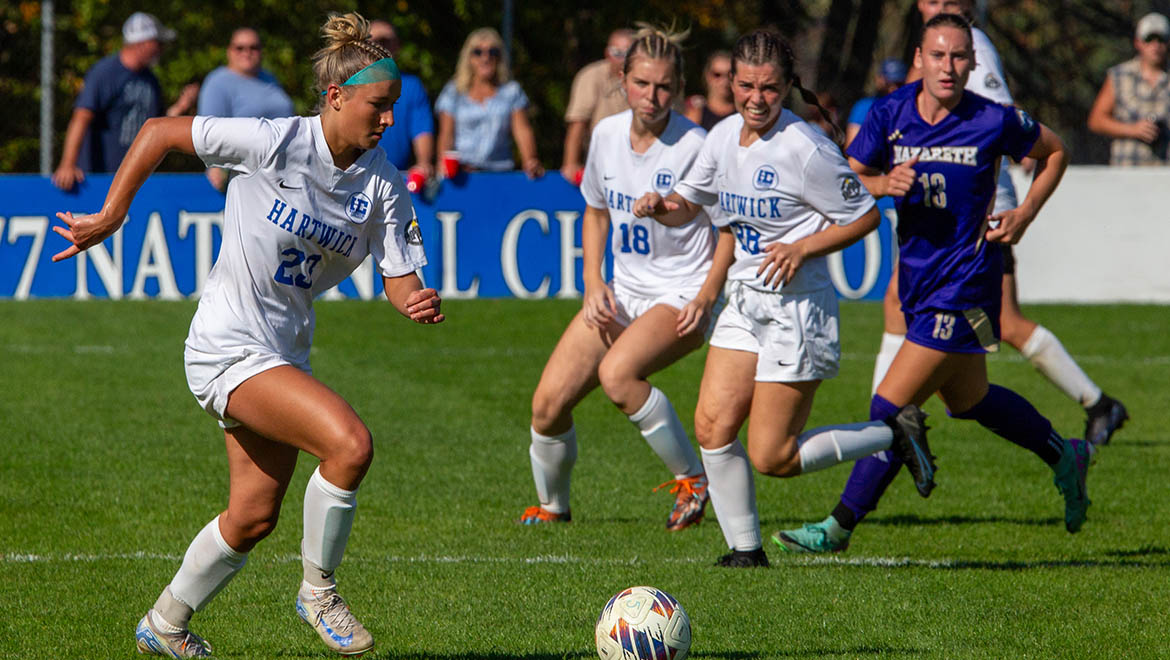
1104, 415
666, 281
313, 197
788, 195
936, 149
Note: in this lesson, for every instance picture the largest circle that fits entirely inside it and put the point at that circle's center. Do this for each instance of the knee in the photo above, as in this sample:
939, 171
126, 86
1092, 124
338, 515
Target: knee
1014, 330
352, 445
248, 526
548, 413
767, 460
712, 433
615, 380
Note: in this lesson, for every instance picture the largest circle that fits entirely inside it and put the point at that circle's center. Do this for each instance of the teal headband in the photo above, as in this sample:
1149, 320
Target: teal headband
380, 71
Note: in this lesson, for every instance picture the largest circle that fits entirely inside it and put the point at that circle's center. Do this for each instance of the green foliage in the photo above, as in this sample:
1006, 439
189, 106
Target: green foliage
1055, 53
108, 469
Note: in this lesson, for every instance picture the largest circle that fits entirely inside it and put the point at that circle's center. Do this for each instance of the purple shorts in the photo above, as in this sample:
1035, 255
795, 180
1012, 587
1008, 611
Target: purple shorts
974, 330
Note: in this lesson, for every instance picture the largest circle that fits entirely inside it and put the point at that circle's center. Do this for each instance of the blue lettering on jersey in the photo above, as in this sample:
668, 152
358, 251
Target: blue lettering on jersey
765, 177
750, 207
310, 228
663, 181
357, 207
956, 155
619, 202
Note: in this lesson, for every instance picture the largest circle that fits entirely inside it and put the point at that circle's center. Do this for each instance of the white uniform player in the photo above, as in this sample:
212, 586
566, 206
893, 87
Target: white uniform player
666, 281
987, 80
652, 263
295, 226
786, 186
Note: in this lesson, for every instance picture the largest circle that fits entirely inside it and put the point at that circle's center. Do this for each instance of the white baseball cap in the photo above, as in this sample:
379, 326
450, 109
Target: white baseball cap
142, 26
1151, 24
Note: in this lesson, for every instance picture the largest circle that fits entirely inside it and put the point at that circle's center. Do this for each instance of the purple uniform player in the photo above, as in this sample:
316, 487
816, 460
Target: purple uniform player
936, 148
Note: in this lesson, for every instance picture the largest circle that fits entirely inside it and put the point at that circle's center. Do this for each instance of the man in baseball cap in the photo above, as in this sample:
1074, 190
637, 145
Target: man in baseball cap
119, 94
890, 75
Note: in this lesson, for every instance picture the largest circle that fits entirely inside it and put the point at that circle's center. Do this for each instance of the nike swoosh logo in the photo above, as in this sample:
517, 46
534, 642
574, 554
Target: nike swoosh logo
282, 185
607, 178
783, 363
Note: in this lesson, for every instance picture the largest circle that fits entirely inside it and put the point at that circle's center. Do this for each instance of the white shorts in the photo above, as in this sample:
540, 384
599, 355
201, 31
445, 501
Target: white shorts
630, 306
793, 335
212, 377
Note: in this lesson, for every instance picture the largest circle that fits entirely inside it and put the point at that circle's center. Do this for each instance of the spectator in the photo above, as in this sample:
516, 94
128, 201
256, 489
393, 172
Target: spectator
890, 76
1133, 106
413, 131
481, 106
242, 89
596, 94
119, 94
708, 111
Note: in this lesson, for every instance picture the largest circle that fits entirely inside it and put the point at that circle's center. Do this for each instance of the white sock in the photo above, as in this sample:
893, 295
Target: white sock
733, 494
210, 563
829, 445
329, 513
885, 357
664, 433
1047, 354
552, 466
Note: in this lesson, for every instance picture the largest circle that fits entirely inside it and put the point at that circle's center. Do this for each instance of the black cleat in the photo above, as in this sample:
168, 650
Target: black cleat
910, 445
1105, 417
744, 559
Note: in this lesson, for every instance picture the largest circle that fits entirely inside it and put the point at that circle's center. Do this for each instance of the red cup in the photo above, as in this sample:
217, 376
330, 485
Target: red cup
450, 164
415, 180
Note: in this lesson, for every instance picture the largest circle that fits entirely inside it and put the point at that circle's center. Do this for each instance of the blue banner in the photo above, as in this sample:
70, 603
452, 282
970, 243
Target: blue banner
486, 235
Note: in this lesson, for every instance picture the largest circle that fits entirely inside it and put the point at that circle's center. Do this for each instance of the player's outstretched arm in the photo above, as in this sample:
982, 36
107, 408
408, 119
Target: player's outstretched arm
784, 259
672, 210
896, 183
1051, 162
408, 296
156, 137
696, 314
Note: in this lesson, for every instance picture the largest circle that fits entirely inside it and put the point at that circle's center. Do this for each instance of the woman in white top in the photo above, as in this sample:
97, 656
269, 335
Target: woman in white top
312, 197
789, 197
664, 288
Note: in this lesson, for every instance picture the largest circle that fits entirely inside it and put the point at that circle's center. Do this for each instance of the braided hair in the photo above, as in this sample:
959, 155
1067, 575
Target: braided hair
348, 49
768, 47
658, 43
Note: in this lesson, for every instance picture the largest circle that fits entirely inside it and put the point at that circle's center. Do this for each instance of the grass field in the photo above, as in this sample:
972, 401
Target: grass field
108, 468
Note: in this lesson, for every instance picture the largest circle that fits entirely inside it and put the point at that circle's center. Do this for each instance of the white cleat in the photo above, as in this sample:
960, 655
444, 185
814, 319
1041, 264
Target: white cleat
328, 614
185, 644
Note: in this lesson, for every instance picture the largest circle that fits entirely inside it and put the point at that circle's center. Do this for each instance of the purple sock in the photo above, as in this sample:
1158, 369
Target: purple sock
870, 477
1010, 416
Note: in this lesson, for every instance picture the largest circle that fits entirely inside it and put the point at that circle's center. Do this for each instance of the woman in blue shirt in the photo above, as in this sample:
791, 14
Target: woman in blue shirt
936, 149
481, 105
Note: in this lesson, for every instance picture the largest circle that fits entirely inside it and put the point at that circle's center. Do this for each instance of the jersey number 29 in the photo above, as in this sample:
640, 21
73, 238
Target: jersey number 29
286, 275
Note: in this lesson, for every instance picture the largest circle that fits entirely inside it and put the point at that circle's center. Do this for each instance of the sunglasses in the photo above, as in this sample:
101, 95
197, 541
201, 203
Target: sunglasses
1151, 38
480, 52
616, 53
243, 47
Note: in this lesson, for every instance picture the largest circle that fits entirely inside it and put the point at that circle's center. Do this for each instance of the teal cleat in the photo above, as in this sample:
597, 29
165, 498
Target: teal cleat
812, 538
1071, 471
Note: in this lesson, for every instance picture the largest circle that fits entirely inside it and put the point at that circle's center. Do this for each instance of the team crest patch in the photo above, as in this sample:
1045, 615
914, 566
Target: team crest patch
357, 207
850, 188
413, 233
663, 181
765, 178
1026, 121
991, 82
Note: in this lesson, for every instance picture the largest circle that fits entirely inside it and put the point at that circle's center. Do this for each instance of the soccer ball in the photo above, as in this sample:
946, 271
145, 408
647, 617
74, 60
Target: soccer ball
643, 623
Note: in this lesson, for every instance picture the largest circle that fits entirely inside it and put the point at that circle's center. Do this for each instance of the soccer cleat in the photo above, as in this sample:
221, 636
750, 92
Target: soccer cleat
744, 559
1105, 417
534, 515
910, 446
185, 644
328, 614
690, 502
812, 538
1071, 471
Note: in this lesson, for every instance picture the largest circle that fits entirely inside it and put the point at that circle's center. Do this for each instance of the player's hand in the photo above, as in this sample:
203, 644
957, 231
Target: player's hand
1008, 226
423, 306
572, 173
1144, 130
65, 177
652, 204
533, 168
901, 178
599, 308
83, 232
694, 317
781, 262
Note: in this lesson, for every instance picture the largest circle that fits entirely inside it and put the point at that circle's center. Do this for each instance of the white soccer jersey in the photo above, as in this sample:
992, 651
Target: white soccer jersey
987, 77
294, 226
783, 187
649, 258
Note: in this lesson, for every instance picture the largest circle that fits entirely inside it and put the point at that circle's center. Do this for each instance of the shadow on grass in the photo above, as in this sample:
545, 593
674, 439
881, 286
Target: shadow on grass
912, 519
1144, 551
854, 652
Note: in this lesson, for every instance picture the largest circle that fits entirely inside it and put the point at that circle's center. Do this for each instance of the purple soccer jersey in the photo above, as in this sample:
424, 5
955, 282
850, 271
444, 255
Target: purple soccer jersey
944, 260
